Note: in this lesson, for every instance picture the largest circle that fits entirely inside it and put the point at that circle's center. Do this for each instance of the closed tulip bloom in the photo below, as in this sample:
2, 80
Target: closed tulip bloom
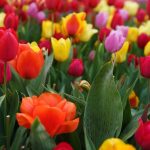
54, 5
144, 66
56, 114
29, 61
132, 34
133, 100
115, 144
61, 49
114, 41
147, 49
32, 10
142, 134
76, 68
144, 28
11, 21
121, 55
133, 58
8, 72
46, 45
141, 15
124, 14
101, 19
142, 40
148, 7
104, 32
63, 146
123, 30
9, 45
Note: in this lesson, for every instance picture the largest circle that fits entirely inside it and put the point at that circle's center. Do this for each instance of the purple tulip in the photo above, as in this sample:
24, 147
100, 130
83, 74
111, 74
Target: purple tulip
114, 41
32, 10
101, 19
123, 30
40, 16
124, 14
8, 72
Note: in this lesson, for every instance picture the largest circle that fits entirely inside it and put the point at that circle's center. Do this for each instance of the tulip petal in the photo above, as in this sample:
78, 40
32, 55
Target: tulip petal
50, 117
24, 120
68, 126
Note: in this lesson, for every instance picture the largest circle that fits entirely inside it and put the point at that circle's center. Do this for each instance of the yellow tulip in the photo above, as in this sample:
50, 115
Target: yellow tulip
131, 7
132, 34
61, 48
47, 29
34, 46
147, 49
2, 17
115, 144
145, 28
133, 100
121, 55
87, 33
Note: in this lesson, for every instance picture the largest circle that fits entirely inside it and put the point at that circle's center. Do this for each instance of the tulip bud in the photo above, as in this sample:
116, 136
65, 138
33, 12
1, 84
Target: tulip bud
142, 40
85, 85
76, 68
114, 41
63, 146
92, 55
119, 3
40, 16
45, 44
8, 46
32, 10
101, 19
11, 21
148, 7
54, 5
124, 14
142, 134
104, 32
8, 72
144, 66
141, 15
133, 100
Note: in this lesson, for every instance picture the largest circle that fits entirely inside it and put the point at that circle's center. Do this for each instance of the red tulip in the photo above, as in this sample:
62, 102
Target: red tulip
63, 146
76, 68
45, 44
8, 45
119, 3
28, 62
141, 14
142, 40
2, 3
117, 20
8, 72
55, 113
133, 58
11, 21
148, 7
142, 135
144, 66
104, 32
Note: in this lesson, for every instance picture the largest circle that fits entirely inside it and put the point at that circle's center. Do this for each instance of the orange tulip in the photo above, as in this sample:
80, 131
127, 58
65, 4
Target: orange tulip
29, 61
55, 113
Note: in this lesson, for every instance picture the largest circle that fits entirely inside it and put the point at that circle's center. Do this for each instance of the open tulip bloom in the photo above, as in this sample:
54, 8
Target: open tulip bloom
74, 74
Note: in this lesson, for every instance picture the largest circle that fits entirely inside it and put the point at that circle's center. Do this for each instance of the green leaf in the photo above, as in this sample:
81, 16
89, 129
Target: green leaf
40, 140
1, 100
88, 143
36, 86
104, 112
19, 138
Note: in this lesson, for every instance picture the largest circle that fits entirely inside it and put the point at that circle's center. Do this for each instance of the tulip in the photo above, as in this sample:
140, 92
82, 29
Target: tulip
121, 55
148, 7
133, 58
114, 41
2, 3
147, 49
141, 15
132, 34
123, 30
101, 19
133, 100
40, 16
54, 5
117, 20
142, 134
32, 10
132, 7
115, 144
55, 113
63, 146
11, 21
104, 32
90, 3
144, 28
61, 48
29, 61
76, 68
142, 40
124, 14
8, 72
9, 45
73, 24
45, 44
144, 66
92, 55
119, 3
2, 17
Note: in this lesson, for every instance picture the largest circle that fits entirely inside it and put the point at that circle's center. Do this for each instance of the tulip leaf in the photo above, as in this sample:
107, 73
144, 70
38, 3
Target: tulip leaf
2, 99
40, 140
104, 112
19, 138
